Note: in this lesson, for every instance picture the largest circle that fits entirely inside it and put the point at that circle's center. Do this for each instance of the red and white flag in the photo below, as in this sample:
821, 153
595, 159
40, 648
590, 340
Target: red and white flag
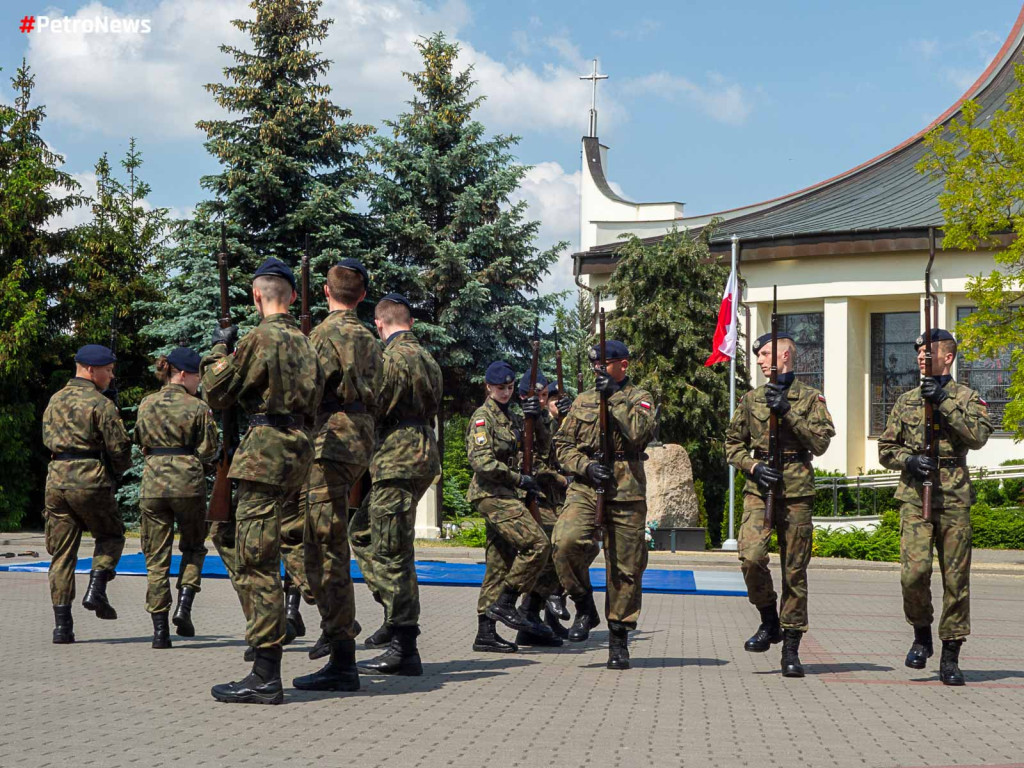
723, 346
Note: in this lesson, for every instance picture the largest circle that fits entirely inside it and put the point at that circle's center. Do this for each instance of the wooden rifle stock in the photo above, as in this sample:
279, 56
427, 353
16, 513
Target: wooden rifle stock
930, 423
220, 509
774, 452
529, 427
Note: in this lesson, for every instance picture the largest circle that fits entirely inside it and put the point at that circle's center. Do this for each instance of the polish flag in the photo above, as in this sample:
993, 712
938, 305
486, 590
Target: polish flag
724, 344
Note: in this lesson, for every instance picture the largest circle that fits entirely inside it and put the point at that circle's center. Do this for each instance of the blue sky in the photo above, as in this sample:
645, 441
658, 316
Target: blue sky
712, 104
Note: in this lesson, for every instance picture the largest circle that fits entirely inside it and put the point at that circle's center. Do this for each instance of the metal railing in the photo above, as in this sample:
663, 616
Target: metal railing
857, 485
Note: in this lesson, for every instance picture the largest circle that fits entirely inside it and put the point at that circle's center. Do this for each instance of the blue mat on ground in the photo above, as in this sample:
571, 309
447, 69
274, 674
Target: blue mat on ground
437, 573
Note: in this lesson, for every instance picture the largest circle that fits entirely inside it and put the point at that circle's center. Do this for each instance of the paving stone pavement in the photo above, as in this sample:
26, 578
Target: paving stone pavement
693, 697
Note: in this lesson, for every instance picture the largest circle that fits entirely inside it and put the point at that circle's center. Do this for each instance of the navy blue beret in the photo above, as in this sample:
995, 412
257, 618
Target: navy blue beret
767, 339
356, 266
95, 354
184, 359
275, 268
524, 383
398, 299
938, 334
499, 372
613, 350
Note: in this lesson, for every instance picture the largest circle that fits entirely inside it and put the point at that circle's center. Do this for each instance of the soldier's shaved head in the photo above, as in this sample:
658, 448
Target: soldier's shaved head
346, 285
392, 313
276, 290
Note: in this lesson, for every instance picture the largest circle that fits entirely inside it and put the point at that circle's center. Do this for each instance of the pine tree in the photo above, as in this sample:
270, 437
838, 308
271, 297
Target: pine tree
667, 298
574, 323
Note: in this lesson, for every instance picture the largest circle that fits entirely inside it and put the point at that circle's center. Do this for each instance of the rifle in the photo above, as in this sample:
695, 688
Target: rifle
528, 431
304, 318
931, 424
220, 510
606, 452
774, 447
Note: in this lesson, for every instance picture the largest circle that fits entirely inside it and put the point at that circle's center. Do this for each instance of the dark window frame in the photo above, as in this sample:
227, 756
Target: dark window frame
997, 368
886, 382
807, 348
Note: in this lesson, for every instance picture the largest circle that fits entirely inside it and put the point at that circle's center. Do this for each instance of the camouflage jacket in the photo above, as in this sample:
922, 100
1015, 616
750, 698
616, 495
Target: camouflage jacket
274, 371
408, 403
963, 425
79, 418
172, 418
494, 445
631, 421
806, 428
546, 468
351, 358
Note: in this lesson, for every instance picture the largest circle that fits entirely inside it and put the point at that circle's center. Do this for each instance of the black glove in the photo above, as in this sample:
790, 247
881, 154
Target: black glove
227, 336
766, 477
605, 384
531, 406
111, 394
922, 466
598, 473
932, 390
529, 484
564, 403
776, 395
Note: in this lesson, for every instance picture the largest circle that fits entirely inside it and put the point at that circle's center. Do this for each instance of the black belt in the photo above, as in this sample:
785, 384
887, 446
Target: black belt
73, 455
949, 462
788, 457
161, 450
279, 420
335, 407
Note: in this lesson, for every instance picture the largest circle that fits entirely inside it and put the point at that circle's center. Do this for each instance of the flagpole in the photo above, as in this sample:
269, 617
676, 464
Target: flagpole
730, 544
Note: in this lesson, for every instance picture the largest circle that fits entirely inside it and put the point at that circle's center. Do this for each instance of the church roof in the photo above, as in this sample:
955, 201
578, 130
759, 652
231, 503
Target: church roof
877, 198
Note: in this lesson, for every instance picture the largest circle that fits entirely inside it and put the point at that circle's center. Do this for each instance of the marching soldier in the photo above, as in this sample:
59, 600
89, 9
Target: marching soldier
632, 423
405, 462
351, 359
963, 425
178, 437
276, 376
89, 452
805, 430
517, 547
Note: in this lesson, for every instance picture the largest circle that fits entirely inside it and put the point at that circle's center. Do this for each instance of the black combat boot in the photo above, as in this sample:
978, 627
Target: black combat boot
488, 640
63, 625
531, 609
249, 655
551, 620
921, 650
261, 686
183, 613
586, 618
96, 594
340, 674
161, 630
504, 610
401, 657
556, 605
768, 634
949, 663
618, 647
295, 627
381, 638
791, 666
321, 648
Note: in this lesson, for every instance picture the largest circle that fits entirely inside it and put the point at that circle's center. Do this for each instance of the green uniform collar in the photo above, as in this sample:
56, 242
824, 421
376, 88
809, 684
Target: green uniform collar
281, 317
78, 381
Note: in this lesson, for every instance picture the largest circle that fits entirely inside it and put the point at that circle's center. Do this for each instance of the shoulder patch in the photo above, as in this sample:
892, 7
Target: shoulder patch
480, 423
983, 401
220, 365
480, 438
821, 398
645, 404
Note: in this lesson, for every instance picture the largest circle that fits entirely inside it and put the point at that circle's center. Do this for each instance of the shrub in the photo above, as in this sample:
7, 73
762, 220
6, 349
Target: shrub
997, 528
472, 536
457, 473
880, 544
989, 492
824, 503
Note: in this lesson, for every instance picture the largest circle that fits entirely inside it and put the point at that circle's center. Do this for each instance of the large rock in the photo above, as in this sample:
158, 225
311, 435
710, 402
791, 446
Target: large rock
671, 499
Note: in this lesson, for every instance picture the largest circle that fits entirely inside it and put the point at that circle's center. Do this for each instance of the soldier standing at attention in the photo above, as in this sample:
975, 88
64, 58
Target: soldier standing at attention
805, 430
404, 465
963, 425
517, 547
178, 437
343, 444
276, 377
632, 423
89, 452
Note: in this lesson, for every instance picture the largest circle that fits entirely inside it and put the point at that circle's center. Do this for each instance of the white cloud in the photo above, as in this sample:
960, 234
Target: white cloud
641, 30
79, 214
720, 99
553, 197
925, 48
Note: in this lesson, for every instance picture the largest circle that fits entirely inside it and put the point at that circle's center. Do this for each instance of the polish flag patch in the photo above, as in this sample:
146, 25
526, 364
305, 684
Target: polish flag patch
983, 402
481, 423
821, 398
645, 404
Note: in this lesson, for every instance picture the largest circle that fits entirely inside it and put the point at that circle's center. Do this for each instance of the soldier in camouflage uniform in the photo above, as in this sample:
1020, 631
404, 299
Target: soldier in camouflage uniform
351, 359
405, 462
517, 547
963, 425
276, 377
577, 445
178, 437
89, 451
805, 430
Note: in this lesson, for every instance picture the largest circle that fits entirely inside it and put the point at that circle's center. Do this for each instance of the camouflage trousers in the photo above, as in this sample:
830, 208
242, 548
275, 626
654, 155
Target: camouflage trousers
223, 535
517, 549
326, 548
293, 527
387, 555
157, 529
625, 552
795, 531
68, 513
949, 530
